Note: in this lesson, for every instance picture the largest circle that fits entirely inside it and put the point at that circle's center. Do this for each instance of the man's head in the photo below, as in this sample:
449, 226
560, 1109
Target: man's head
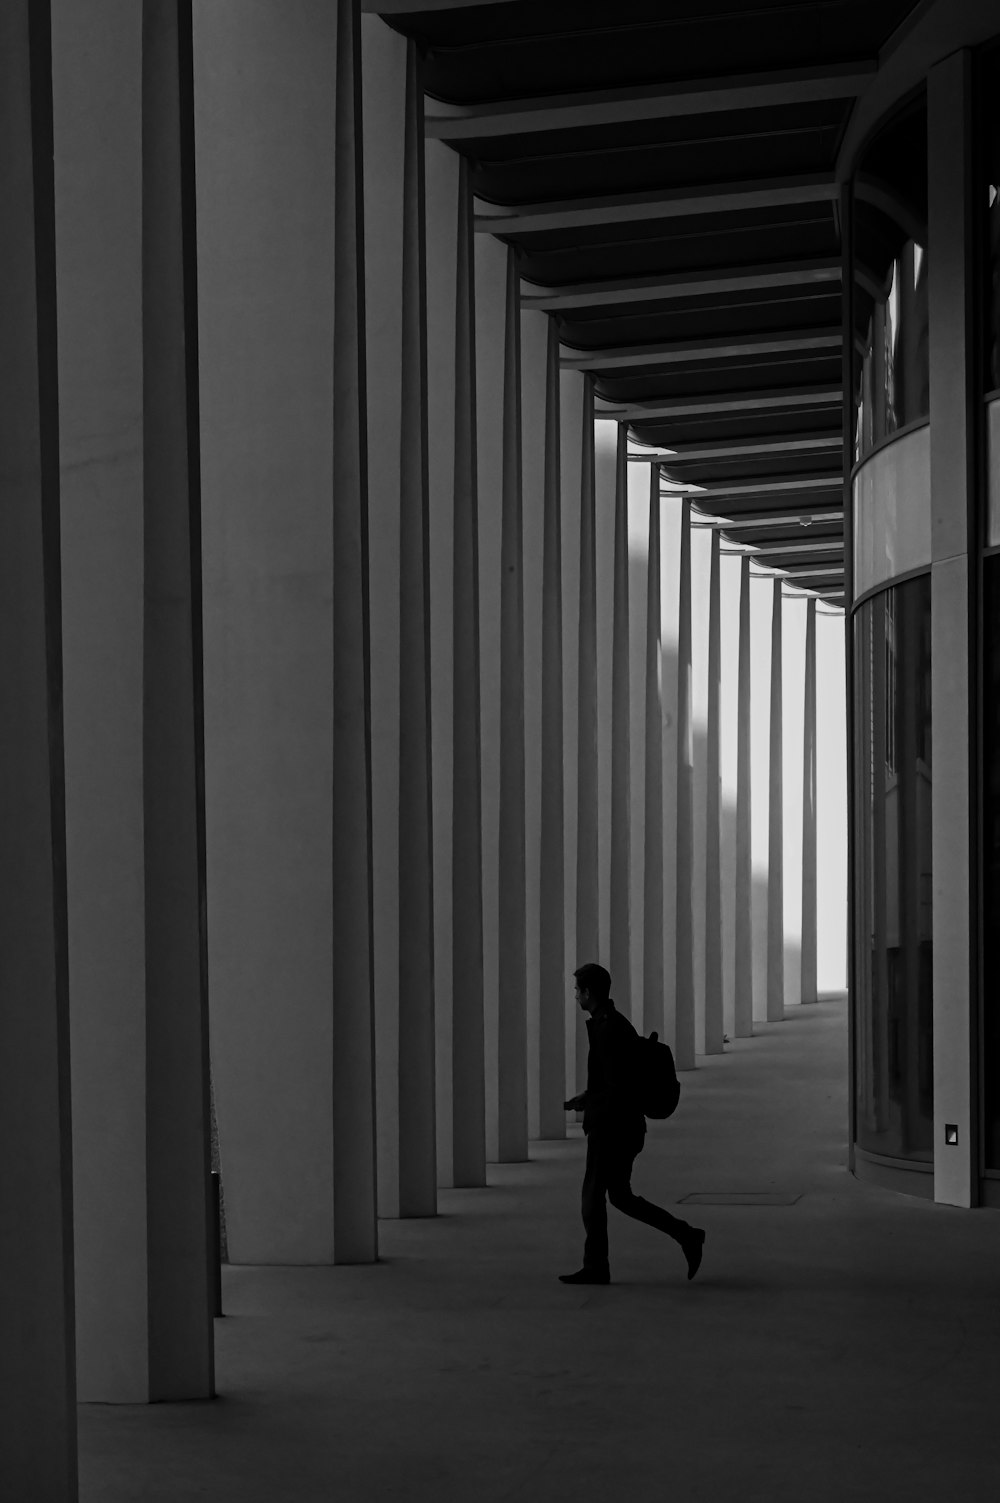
593, 986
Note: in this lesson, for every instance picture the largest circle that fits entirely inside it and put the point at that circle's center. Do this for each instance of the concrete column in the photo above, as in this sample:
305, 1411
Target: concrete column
713, 817
572, 387
37, 1366
417, 1147
398, 504
621, 813
355, 1237
605, 495
684, 1023
467, 1043
384, 65
534, 377
552, 956
775, 825
512, 1029
809, 916
442, 167
652, 872
133, 701
671, 527
743, 998
952, 388
701, 561
264, 115
491, 330
587, 898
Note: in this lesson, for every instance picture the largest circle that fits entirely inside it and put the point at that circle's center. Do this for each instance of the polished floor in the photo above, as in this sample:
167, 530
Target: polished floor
843, 1345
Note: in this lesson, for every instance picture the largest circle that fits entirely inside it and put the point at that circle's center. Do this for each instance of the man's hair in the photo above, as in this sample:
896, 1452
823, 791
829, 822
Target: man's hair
595, 980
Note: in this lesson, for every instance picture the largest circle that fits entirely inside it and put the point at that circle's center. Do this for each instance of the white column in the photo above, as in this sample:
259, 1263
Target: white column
743, 1008
701, 560
684, 982
671, 529
37, 1368
264, 113
441, 190
573, 411
512, 1025
467, 905
552, 949
775, 822
761, 611
491, 302
587, 844
605, 492
653, 1015
950, 145
713, 816
132, 702
729, 630
620, 864
793, 638
809, 863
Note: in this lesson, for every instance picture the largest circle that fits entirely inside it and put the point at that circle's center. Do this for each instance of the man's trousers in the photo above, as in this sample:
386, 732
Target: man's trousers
610, 1156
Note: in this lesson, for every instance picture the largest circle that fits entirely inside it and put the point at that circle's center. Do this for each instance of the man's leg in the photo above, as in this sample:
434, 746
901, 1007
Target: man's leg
594, 1209
618, 1183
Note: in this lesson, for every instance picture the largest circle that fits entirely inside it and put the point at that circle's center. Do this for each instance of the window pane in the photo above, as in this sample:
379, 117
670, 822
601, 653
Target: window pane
893, 949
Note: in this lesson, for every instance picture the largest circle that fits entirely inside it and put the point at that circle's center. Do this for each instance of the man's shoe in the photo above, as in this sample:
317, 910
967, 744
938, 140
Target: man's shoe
693, 1246
586, 1276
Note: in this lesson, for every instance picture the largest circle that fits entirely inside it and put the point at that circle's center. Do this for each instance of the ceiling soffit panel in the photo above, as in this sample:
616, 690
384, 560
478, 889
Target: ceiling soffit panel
666, 142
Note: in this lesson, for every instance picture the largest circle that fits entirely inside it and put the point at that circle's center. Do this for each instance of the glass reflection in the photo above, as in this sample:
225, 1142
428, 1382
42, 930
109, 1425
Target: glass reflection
894, 1075
990, 835
989, 131
890, 365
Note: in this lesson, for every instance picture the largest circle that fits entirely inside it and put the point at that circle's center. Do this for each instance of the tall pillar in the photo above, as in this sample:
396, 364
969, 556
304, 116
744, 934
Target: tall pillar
417, 1147
468, 1062
713, 816
620, 864
491, 340
587, 901
652, 871
264, 115
398, 510
441, 189
132, 696
37, 1366
809, 915
512, 1023
355, 1234
572, 416
744, 859
684, 1047
552, 966
950, 146
775, 824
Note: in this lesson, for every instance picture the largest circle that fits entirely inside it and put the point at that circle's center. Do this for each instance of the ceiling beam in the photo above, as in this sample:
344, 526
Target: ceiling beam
741, 448
657, 203
793, 519
660, 101
712, 402
682, 284
408, 7
713, 493
761, 550
724, 348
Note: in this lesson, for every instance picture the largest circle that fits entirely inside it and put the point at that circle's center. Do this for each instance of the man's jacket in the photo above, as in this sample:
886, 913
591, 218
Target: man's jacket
609, 1102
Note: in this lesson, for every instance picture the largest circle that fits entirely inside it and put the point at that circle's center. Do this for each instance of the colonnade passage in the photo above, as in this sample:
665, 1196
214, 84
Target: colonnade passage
424, 477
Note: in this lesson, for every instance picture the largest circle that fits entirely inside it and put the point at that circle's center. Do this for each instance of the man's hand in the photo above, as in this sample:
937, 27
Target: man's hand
574, 1104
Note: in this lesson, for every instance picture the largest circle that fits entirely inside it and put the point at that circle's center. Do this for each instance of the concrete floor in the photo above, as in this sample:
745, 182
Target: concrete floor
845, 1347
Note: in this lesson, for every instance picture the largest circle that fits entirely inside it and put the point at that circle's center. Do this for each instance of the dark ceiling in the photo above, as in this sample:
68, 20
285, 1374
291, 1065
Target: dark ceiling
719, 204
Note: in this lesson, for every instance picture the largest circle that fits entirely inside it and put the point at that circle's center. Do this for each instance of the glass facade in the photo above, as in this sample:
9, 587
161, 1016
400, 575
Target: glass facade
890, 369
989, 134
894, 1075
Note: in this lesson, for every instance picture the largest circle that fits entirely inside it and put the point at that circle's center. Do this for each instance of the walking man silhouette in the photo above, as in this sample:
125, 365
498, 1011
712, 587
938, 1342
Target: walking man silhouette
615, 1129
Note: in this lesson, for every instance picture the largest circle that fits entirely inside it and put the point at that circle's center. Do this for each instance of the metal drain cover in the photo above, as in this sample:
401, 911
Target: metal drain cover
739, 1198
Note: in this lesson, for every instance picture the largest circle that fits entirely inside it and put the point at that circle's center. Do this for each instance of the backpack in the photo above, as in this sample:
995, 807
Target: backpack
657, 1085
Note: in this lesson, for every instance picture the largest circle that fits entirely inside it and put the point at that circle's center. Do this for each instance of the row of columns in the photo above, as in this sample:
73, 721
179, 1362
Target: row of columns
368, 730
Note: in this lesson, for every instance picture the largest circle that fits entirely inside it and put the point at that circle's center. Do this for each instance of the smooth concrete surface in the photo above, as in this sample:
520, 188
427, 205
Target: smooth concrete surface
844, 1346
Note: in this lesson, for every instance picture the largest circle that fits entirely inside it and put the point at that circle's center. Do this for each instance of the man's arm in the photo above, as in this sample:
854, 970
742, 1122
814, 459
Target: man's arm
576, 1103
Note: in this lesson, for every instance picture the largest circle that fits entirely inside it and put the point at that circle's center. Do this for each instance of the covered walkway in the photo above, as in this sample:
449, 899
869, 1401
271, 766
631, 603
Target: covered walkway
846, 1345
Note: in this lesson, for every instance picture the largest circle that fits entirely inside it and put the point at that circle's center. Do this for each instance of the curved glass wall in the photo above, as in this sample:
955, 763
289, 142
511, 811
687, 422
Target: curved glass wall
892, 511
988, 92
894, 1073
889, 257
